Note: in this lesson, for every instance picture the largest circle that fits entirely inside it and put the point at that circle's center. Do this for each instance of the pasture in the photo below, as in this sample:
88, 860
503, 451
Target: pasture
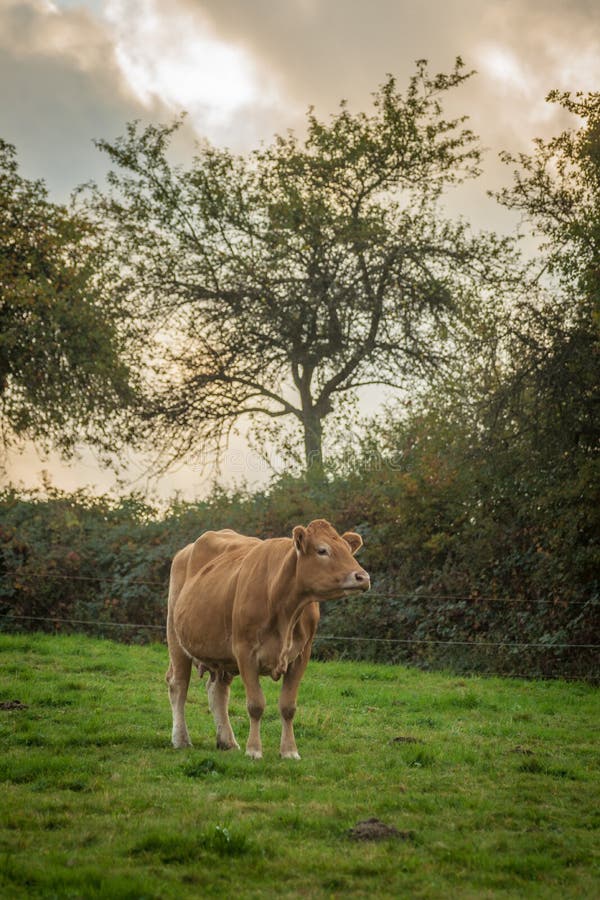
493, 784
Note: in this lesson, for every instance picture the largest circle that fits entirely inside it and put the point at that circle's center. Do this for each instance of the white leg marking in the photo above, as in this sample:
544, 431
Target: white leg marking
218, 701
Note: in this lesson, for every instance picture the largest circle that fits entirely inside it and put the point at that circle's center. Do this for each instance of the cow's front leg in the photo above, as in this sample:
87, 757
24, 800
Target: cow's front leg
287, 704
255, 703
218, 700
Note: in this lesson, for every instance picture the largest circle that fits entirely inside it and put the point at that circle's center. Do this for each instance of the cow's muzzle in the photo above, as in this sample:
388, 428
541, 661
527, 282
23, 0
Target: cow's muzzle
357, 581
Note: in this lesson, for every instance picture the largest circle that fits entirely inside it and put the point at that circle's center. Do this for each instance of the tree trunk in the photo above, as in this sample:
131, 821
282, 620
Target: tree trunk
313, 439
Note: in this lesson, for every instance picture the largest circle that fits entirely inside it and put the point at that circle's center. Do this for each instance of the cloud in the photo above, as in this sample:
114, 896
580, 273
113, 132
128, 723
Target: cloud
73, 71
321, 51
325, 50
60, 87
69, 74
172, 54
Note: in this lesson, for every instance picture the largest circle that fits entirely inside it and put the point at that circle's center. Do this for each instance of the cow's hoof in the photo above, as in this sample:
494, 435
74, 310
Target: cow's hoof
290, 754
254, 754
181, 744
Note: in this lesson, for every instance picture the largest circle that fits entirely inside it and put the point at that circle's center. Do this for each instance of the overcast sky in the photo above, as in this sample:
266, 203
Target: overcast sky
75, 70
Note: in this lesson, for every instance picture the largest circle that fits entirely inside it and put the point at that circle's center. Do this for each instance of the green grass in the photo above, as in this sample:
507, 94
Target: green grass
496, 793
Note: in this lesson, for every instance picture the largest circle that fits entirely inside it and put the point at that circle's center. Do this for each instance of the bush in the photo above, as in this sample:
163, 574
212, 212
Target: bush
439, 573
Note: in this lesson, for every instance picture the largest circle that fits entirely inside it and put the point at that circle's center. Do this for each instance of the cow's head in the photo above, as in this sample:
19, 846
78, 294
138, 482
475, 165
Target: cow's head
326, 566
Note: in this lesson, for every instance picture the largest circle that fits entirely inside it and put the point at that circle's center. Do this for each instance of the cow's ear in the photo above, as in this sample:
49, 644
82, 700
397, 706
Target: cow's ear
353, 540
299, 535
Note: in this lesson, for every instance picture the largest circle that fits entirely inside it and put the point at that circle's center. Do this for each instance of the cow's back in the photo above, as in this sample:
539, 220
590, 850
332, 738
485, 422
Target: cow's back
204, 578
213, 544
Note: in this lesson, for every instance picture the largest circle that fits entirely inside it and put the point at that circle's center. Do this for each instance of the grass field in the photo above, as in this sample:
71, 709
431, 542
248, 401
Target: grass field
494, 784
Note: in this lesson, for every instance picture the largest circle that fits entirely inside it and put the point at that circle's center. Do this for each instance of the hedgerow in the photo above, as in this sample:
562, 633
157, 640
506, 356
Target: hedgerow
450, 587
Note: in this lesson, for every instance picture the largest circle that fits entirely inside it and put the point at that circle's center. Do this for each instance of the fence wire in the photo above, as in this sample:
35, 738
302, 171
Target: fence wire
546, 645
588, 677
386, 595
472, 600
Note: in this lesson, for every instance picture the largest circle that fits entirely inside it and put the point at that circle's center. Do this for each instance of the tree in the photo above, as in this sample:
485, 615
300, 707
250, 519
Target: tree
517, 426
556, 346
279, 282
551, 395
63, 379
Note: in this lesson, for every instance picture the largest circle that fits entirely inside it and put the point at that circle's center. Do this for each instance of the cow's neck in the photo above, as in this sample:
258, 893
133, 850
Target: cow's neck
287, 608
288, 602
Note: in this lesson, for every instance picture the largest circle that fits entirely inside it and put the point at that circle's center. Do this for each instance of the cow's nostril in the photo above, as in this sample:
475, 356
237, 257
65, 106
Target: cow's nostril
361, 576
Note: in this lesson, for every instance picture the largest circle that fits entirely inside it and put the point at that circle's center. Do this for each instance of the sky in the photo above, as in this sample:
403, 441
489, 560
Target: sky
72, 71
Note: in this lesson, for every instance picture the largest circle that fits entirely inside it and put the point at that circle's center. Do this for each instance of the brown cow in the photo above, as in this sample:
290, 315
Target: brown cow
239, 605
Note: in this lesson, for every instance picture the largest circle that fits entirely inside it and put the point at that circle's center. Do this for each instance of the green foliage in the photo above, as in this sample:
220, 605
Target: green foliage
553, 387
88, 558
63, 379
557, 189
443, 562
493, 783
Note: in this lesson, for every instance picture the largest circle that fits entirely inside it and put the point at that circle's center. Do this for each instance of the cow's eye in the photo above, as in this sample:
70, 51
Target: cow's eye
323, 551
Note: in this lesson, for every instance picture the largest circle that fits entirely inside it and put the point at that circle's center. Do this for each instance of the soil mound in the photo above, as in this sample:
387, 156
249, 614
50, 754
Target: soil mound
376, 830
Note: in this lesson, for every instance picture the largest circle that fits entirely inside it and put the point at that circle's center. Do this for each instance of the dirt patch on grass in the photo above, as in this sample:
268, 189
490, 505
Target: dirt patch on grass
12, 704
376, 830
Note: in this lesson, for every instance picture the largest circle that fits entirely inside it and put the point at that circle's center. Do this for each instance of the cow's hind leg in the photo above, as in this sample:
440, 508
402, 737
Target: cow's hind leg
287, 704
178, 679
218, 699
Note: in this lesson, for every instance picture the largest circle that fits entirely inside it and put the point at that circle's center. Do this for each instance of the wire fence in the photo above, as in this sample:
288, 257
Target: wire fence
589, 677
474, 597
340, 642
321, 637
